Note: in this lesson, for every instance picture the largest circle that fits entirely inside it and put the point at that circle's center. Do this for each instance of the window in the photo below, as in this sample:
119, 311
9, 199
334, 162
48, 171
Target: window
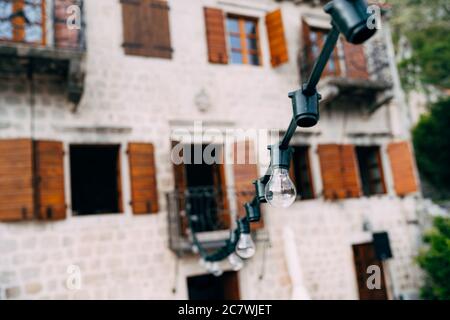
209, 287
317, 39
243, 40
370, 170
95, 179
301, 173
22, 21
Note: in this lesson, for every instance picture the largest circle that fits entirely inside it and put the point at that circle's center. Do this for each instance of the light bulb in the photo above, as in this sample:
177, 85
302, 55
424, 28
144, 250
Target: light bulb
280, 190
236, 262
245, 247
215, 269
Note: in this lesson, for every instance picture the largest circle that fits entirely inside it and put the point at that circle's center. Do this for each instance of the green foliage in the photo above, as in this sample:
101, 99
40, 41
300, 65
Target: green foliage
426, 24
435, 261
431, 138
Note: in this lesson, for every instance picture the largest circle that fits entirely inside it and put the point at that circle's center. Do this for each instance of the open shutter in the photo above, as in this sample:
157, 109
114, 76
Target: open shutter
277, 39
132, 32
144, 192
179, 172
403, 168
215, 36
330, 167
339, 171
355, 61
64, 37
16, 180
156, 34
245, 171
350, 171
221, 186
49, 170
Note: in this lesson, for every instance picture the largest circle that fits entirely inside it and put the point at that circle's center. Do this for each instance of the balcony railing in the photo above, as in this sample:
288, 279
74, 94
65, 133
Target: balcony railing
44, 37
43, 23
203, 210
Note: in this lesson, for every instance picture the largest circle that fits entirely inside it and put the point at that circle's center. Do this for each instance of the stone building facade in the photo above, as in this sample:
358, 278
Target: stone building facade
134, 97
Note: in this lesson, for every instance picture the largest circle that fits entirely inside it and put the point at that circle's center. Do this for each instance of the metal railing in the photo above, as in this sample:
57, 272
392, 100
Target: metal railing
204, 210
43, 23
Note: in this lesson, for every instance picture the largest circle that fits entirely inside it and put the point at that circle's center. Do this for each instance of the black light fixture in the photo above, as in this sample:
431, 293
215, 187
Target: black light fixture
350, 18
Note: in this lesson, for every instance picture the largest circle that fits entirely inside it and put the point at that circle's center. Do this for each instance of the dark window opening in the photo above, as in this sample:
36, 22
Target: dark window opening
301, 173
95, 179
370, 170
209, 287
205, 187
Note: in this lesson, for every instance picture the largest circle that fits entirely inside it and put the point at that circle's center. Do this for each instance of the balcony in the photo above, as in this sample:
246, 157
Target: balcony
356, 75
210, 215
44, 37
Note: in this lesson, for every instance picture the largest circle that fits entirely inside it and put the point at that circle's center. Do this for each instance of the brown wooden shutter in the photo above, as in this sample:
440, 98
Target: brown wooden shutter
277, 39
330, 167
339, 171
157, 29
220, 184
64, 37
132, 31
144, 191
355, 61
146, 29
245, 171
403, 168
16, 180
49, 170
179, 172
215, 36
350, 171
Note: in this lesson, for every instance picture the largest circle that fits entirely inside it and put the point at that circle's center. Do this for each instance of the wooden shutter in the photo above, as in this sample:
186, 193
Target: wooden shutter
144, 192
49, 168
245, 171
355, 61
157, 29
146, 29
220, 184
277, 39
132, 32
215, 36
350, 171
402, 167
64, 37
339, 171
179, 172
16, 180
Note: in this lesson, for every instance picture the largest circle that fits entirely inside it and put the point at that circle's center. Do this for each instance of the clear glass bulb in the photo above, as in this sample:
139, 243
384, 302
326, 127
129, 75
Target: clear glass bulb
236, 262
280, 190
215, 269
245, 247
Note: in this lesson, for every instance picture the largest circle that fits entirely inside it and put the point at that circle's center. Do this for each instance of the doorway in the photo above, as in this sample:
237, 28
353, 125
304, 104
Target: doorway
209, 287
364, 256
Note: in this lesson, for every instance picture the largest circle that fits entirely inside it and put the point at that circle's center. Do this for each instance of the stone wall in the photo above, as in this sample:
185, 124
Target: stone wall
143, 99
